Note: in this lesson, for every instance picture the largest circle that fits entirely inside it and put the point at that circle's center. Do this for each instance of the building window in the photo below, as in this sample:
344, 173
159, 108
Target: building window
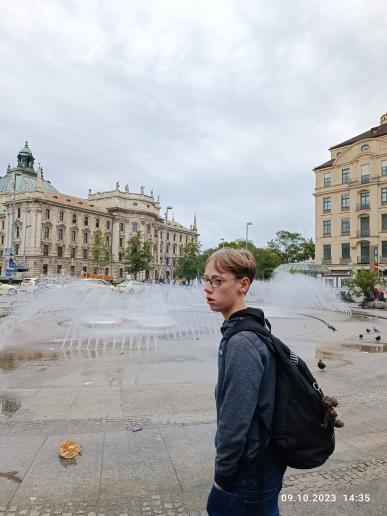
106, 271
148, 228
327, 252
156, 233
121, 226
61, 216
384, 248
85, 238
18, 213
47, 213
72, 252
345, 251
345, 226
84, 268
74, 218
327, 204
134, 227
384, 168
327, 224
2, 239
181, 238
85, 254
121, 241
107, 240
17, 249
383, 195
384, 222
364, 200
73, 236
121, 273
365, 174
44, 268
60, 234
72, 270
46, 232
58, 269
365, 148
60, 251
108, 224
97, 223
327, 181
120, 257
345, 177
17, 232
86, 221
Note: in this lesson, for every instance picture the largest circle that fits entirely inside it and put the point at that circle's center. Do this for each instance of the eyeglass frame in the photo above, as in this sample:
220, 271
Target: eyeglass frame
216, 282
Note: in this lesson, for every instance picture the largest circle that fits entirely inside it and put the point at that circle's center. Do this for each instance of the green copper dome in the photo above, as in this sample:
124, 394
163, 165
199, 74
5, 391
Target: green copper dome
27, 179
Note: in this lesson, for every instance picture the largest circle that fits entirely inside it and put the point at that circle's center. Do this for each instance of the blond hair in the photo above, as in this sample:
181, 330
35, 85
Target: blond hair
239, 262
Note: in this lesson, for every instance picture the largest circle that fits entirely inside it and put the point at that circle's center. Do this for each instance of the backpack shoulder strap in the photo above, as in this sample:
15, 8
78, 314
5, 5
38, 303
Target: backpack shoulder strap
254, 326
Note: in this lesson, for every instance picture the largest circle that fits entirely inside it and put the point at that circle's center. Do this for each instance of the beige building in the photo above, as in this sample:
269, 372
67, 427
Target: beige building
351, 205
53, 231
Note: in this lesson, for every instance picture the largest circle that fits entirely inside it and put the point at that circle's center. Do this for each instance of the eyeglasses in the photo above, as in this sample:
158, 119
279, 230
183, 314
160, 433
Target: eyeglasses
216, 282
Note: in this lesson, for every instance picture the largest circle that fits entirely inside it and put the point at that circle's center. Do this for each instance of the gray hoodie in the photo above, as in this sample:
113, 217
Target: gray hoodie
246, 385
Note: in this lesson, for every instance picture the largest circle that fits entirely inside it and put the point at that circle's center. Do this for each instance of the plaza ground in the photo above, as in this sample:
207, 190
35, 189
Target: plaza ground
99, 396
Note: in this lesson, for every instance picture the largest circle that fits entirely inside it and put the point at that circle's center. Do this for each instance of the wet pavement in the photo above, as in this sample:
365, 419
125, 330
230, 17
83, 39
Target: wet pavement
100, 393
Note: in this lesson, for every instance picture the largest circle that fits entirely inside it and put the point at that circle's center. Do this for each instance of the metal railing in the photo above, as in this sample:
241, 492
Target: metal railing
363, 206
363, 233
363, 260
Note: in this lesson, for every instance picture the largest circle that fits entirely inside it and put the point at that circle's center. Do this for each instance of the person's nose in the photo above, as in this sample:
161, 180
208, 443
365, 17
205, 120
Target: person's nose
208, 287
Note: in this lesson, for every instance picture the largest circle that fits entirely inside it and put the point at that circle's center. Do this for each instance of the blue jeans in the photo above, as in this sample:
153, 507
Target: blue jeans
245, 497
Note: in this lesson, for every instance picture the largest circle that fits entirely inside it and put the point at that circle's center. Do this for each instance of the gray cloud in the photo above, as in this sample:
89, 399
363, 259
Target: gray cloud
222, 107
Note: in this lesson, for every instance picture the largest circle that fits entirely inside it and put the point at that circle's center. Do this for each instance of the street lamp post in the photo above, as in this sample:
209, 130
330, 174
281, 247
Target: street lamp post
247, 231
12, 252
25, 237
164, 264
222, 240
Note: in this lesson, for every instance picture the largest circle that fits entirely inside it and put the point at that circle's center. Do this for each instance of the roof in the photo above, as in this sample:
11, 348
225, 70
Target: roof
26, 150
325, 165
374, 132
24, 183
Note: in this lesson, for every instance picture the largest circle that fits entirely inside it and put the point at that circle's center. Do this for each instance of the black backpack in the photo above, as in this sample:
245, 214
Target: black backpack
299, 435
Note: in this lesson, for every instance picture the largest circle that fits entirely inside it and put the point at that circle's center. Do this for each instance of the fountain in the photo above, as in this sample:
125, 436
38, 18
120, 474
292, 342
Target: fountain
72, 314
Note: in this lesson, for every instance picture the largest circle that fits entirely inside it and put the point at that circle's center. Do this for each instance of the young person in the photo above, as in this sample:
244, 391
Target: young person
244, 396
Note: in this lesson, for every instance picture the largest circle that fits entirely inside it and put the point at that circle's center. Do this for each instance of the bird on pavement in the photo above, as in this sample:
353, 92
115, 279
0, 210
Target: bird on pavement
376, 330
361, 336
377, 337
331, 327
368, 330
321, 365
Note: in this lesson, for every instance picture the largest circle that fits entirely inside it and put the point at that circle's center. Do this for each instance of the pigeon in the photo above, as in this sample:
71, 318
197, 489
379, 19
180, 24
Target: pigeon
331, 327
377, 337
368, 330
361, 336
321, 365
376, 330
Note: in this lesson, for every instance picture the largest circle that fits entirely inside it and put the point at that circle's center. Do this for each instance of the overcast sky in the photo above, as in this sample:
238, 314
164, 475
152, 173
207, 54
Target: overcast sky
223, 107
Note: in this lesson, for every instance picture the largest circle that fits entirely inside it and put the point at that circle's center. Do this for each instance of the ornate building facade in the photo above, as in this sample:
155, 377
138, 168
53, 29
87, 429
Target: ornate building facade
351, 205
53, 231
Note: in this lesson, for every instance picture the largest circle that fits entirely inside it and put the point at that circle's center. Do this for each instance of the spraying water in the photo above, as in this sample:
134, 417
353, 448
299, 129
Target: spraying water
77, 314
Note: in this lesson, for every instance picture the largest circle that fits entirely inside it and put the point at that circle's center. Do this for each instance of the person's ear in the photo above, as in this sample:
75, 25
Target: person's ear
245, 285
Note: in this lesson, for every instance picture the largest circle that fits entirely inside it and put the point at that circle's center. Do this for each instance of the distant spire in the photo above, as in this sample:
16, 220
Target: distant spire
173, 217
195, 227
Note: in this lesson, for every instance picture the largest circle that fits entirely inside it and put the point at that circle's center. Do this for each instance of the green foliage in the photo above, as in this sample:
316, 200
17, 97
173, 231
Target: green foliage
99, 249
292, 247
190, 263
364, 280
267, 260
138, 256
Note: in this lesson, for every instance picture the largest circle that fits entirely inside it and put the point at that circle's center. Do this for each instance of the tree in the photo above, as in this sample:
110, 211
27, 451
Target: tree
292, 247
189, 264
99, 250
267, 260
138, 256
364, 280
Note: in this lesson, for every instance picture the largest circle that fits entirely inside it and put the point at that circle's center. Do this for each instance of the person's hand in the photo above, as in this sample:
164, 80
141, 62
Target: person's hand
218, 486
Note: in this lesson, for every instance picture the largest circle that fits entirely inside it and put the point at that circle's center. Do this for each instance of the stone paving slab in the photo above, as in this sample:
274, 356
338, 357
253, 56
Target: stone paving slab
52, 478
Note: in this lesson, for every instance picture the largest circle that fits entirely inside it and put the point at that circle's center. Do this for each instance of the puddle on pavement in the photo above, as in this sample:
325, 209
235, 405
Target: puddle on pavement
8, 407
369, 348
11, 475
11, 360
